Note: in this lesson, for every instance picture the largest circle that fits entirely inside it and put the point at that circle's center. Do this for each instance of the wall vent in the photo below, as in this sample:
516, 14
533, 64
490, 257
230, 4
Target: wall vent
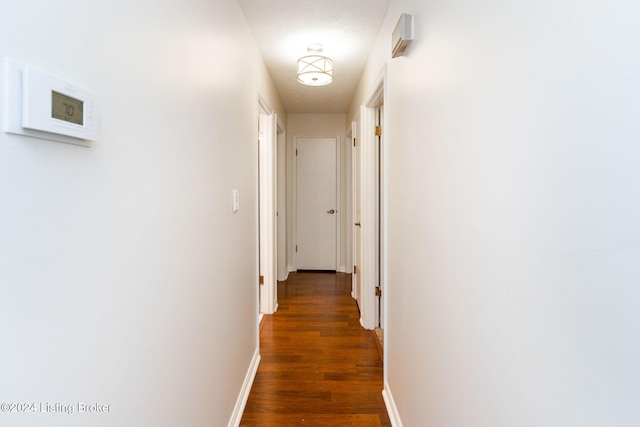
402, 35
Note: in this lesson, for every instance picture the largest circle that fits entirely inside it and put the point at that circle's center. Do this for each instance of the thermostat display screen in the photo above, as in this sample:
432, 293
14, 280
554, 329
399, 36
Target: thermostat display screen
65, 108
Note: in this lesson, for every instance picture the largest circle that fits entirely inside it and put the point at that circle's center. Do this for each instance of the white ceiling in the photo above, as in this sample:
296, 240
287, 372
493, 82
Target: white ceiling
346, 28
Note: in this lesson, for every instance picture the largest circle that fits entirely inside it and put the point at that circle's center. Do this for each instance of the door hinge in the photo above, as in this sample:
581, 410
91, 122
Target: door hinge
355, 144
378, 130
355, 269
378, 291
296, 151
296, 248
261, 280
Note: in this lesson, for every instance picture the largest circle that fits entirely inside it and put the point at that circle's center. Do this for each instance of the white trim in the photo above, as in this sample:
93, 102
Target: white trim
356, 200
241, 402
348, 208
370, 210
379, 89
281, 203
294, 204
392, 409
342, 269
368, 255
268, 204
339, 205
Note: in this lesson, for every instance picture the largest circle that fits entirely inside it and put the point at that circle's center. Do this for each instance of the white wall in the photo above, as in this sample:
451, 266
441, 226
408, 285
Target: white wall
513, 234
303, 124
125, 278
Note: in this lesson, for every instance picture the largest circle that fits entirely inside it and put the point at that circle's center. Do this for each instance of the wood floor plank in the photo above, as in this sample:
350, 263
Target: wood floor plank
315, 420
319, 367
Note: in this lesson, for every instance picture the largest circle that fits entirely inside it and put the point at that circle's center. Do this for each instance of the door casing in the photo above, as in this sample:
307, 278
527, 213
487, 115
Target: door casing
267, 197
372, 230
356, 143
281, 212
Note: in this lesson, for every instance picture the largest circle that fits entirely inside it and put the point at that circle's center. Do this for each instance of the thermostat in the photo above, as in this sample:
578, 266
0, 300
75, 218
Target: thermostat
42, 106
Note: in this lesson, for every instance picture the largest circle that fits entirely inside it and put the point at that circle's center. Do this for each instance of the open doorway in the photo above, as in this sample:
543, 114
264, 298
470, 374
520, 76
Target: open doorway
267, 207
369, 217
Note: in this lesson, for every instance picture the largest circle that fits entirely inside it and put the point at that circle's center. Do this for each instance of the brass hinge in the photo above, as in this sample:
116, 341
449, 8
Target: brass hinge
296, 248
355, 144
378, 291
296, 151
261, 280
378, 130
355, 269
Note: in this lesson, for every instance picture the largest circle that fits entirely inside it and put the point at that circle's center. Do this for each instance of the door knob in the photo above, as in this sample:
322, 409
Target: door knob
332, 211
357, 224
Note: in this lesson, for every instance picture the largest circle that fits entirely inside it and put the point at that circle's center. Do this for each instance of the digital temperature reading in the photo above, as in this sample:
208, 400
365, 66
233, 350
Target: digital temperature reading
43, 106
66, 108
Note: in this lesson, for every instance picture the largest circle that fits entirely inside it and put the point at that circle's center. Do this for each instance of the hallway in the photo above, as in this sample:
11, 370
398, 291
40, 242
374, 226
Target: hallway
319, 367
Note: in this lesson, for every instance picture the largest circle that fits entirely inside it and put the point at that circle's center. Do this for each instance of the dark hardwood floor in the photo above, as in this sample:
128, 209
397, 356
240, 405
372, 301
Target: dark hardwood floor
319, 367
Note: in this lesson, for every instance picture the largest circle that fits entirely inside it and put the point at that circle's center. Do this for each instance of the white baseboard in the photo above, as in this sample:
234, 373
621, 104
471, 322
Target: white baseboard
342, 269
286, 276
238, 410
392, 410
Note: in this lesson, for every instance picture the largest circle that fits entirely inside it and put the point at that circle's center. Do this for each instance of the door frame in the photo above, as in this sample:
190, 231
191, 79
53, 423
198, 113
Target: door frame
339, 207
373, 227
348, 199
267, 123
281, 210
356, 204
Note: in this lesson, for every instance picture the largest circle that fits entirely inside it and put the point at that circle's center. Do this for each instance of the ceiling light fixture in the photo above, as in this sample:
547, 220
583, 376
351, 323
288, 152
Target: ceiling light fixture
315, 70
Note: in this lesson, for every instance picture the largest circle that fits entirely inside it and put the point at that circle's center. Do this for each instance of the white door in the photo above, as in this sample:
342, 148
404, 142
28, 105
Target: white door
316, 203
267, 227
357, 263
380, 216
372, 252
